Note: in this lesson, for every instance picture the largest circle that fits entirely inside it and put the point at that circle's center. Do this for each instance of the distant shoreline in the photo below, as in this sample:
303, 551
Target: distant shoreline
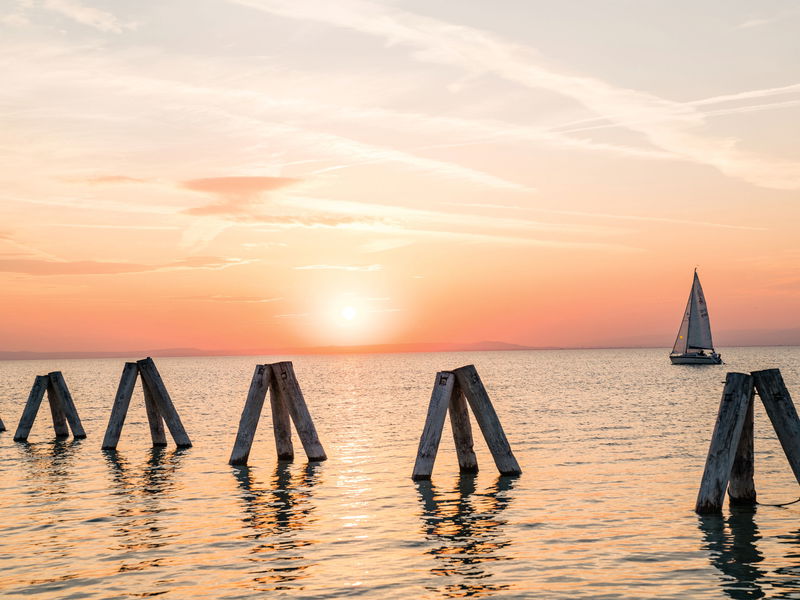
330, 350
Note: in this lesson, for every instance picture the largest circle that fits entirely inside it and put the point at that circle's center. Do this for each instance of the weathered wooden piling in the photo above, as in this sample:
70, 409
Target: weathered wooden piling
462, 431
152, 380
434, 422
449, 392
286, 402
251, 414
158, 405
730, 461
780, 408
741, 488
62, 407
64, 398
472, 386
724, 442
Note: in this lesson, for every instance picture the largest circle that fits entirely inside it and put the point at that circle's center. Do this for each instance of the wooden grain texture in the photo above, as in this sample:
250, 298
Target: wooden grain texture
251, 413
31, 408
742, 488
434, 423
150, 375
154, 420
724, 442
122, 401
67, 404
56, 411
781, 410
472, 387
289, 391
462, 431
281, 423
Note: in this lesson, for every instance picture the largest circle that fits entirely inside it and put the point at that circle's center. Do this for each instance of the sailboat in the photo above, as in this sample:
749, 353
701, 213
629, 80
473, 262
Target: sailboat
693, 346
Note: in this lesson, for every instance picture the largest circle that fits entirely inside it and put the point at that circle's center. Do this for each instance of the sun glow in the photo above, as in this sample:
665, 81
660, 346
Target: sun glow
348, 313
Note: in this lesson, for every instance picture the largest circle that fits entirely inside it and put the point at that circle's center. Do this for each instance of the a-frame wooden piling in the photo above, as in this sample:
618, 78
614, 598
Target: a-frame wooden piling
158, 405
730, 461
62, 408
449, 392
286, 402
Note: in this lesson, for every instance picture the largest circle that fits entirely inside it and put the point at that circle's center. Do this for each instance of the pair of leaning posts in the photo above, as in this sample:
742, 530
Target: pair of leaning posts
730, 462
452, 390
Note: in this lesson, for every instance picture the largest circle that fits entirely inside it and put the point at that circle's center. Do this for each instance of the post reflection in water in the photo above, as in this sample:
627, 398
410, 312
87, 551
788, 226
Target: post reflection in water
731, 544
275, 515
467, 532
49, 464
142, 492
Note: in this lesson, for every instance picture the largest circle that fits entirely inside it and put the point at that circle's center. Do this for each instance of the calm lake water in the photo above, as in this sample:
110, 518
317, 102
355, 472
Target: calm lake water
611, 442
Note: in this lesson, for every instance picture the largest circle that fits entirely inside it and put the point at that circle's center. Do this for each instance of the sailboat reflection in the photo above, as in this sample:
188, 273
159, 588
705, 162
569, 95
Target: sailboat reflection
731, 544
275, 516
141, 493
467, 533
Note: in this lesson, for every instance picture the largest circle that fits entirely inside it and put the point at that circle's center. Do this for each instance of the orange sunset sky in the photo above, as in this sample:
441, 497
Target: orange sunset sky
261, 174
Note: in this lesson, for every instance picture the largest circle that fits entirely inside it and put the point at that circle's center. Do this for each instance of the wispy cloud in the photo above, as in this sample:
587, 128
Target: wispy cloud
361, 268
111, 226
237, 195
232, 299
86, 15
112, 179
668, 125
40, 267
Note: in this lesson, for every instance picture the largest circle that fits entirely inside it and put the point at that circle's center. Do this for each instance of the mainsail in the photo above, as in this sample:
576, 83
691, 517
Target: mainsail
695, 329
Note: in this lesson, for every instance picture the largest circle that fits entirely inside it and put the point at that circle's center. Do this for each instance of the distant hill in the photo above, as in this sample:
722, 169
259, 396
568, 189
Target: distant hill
761, 337
365, 349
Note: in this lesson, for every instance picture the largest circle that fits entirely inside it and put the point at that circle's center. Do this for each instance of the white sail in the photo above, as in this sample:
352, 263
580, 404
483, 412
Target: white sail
699, 336
682, 341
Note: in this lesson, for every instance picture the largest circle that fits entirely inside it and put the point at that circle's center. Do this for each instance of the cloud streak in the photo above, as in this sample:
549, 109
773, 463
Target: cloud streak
668, 125
351, 268
86, 15
45, 267
238, 195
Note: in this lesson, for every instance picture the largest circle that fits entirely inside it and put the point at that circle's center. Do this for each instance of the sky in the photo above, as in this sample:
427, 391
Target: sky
261, 174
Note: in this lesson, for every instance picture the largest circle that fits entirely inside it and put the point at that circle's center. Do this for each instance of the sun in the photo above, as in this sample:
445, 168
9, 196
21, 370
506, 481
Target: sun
348, 313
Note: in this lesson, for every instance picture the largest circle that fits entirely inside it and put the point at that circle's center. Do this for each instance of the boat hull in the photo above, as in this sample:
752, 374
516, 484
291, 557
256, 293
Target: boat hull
695, 359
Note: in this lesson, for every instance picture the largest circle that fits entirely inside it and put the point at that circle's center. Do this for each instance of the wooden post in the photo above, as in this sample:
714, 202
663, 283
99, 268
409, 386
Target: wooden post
154, 420
56, 411
250, 415
290, 393
462, 431
724, 442
741, 488
121, 403
281, 422
434, 422
31, 408
471, 385
782, 413
64, 398
163, 402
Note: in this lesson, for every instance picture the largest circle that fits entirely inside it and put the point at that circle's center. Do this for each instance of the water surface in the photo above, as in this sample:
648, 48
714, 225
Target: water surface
611, 443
